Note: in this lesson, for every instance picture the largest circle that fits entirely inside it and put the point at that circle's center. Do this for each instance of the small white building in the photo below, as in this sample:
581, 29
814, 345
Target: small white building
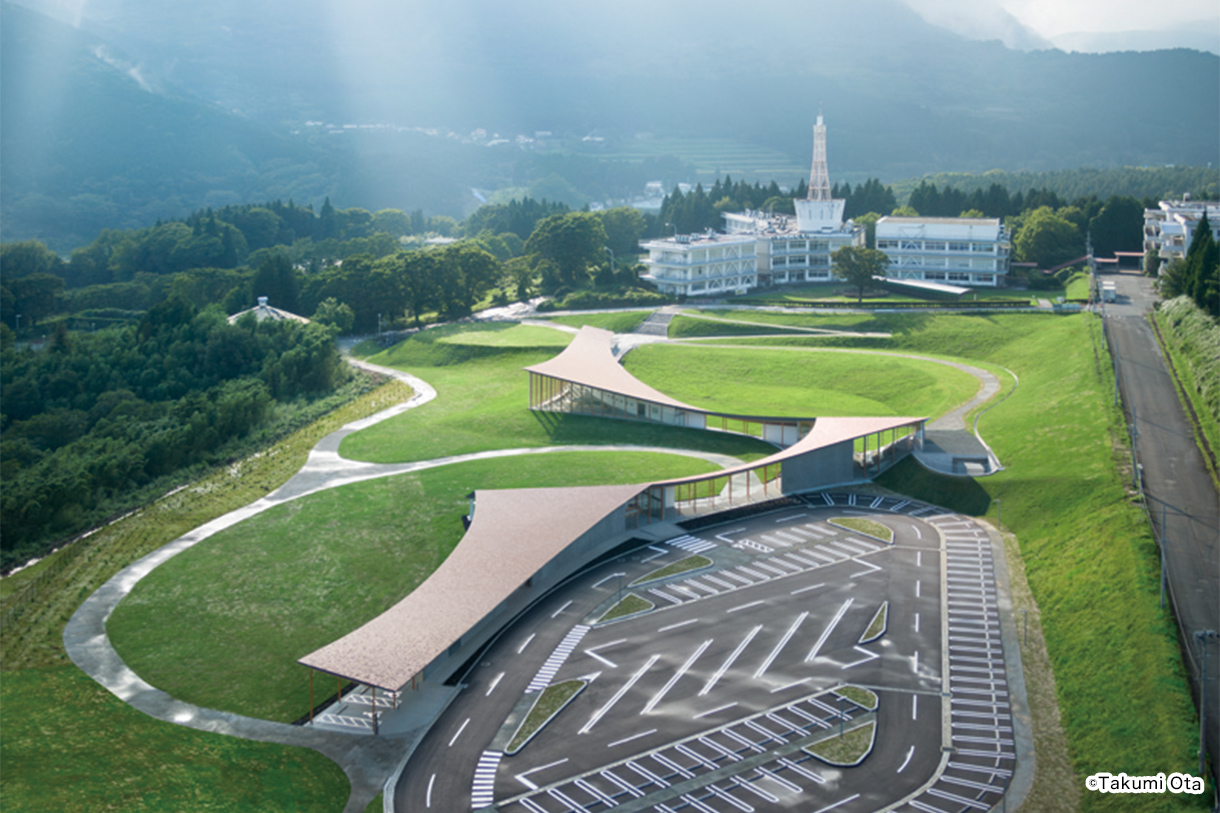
702, 264
959, 250
1171, 226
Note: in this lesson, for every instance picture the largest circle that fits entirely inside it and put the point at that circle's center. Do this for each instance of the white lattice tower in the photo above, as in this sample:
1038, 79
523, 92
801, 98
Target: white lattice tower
819, 175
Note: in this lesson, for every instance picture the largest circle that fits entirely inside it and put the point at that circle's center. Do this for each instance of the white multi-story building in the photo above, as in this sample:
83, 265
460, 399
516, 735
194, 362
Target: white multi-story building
1171, 226
956, 250
797, 252
776, 249
702, 264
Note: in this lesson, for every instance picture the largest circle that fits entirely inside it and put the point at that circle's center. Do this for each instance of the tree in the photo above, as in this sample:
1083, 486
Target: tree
35, 295
857, 266
571, 241
25, 258
624, 227
1201, 274
869, 221
276, 280
1047, 239
1119, 226
334, 313
393, 222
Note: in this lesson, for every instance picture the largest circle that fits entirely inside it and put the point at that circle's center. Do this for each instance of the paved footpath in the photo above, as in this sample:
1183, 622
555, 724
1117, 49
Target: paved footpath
1180, 492
368, 761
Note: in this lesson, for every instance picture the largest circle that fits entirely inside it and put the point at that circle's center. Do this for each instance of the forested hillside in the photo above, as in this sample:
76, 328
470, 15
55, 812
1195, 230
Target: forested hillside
140, 113
95, 419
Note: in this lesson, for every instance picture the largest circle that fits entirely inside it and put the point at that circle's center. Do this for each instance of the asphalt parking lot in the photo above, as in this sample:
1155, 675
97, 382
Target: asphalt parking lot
710, 700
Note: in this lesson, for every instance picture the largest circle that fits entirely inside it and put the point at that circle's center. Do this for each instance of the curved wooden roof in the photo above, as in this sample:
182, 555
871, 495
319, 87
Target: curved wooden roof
589, 360
513, 534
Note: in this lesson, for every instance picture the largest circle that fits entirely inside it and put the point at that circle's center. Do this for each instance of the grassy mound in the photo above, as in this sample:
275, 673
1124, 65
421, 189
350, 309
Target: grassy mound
482, 404
766, 381
302, 574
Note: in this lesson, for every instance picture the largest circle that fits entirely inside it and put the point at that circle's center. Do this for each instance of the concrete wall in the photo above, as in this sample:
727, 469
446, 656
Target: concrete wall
820, 468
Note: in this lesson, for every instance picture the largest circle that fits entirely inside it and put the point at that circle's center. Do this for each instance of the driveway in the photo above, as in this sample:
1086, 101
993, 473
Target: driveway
1182, 500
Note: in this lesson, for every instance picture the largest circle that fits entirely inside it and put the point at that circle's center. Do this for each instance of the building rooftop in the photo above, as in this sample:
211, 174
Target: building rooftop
262, 311
940, 221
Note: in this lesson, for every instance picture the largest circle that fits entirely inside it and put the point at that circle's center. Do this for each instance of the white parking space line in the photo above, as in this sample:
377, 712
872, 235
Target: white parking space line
626, 740
710, 712
724, 667
592, 652
907, 761
839, 803
796, 767
834, 622
791, 685
659, 696
746, 606
626, 687
679, 624
766, 664
531, 785
494, 683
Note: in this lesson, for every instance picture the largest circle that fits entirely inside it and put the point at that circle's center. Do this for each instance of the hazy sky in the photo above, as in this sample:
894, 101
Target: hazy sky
1087, 25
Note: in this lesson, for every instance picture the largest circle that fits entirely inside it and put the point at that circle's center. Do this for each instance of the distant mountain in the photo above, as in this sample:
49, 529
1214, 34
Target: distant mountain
87, 143
165, 106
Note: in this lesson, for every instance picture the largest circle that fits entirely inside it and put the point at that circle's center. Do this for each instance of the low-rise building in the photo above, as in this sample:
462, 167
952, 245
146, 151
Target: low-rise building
960, 250
702, 264
1170, 227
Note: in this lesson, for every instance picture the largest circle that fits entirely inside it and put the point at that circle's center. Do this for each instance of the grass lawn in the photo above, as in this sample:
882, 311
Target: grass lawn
302, 574
505, 334
1089, 554
482, 404
783, 382
619, 322
685, 326
84, 749
69, 744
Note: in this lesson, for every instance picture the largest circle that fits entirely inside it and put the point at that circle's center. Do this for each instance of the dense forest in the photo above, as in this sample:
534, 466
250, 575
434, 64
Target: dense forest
95, 421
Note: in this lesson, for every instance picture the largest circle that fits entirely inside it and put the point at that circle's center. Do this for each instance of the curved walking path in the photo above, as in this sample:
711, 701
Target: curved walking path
368, 761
